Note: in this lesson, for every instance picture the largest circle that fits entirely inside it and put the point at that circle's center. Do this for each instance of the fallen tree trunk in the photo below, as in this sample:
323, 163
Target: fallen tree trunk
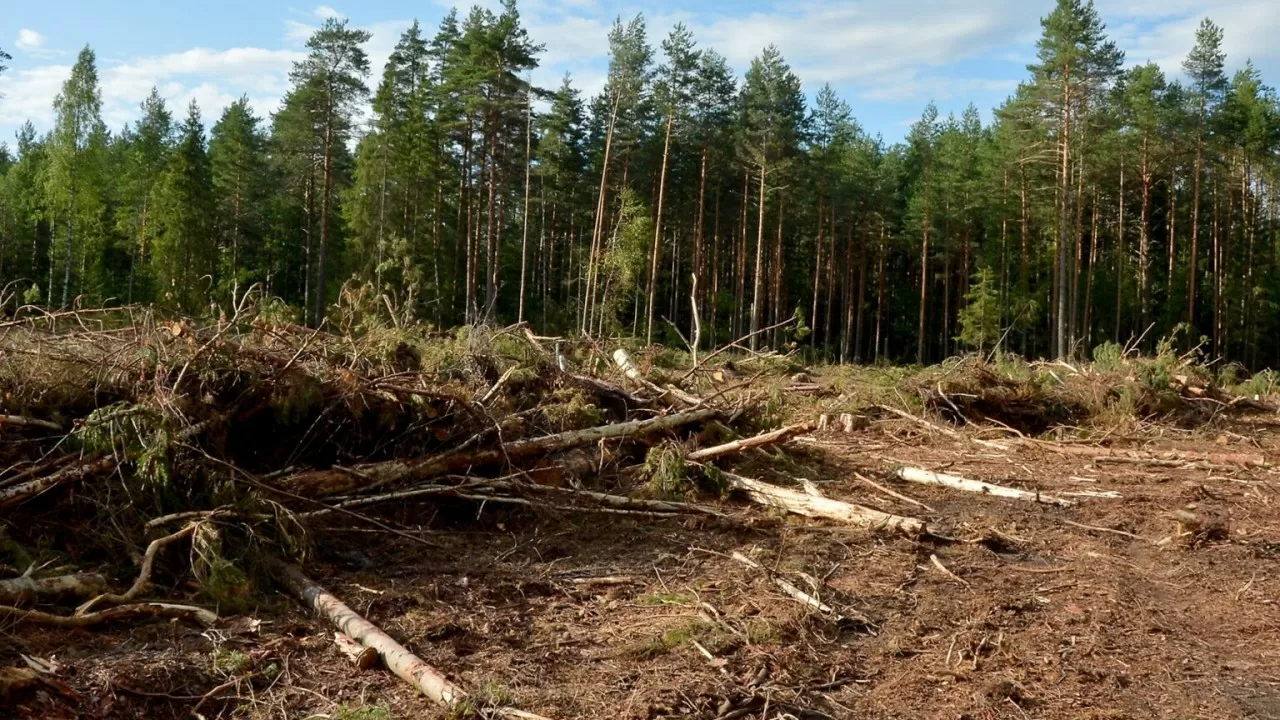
955, 482
730, 448
812, 503
404, 664
337, 481
26, 589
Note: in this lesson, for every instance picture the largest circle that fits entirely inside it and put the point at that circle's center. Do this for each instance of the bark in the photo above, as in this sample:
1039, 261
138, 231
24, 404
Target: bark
26, 589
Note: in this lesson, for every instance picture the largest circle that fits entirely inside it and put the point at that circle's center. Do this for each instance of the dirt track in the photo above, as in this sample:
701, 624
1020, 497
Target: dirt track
583, 617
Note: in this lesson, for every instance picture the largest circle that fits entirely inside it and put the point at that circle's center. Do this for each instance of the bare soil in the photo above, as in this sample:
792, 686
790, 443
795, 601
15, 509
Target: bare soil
574, 616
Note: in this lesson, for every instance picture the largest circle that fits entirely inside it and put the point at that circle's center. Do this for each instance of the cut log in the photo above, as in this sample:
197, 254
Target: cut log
139, 611
364, 478
404, 664
26, 589
364, 658
780, 435
955, 482
396, 657
812, 503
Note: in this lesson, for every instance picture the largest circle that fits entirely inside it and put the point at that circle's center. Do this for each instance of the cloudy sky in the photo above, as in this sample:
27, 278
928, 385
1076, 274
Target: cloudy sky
886, 57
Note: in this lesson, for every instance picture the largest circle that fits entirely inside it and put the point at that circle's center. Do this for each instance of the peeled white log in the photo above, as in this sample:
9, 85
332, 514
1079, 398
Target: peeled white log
955, 482
812, 503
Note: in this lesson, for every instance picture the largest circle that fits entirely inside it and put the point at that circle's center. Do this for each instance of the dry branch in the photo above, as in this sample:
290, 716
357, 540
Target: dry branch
25, 589
17, 493
791, 590
145, 611
780, 435
955, 482
812, 503
954, 435
892, 493
20, 421
144, 575
336, 481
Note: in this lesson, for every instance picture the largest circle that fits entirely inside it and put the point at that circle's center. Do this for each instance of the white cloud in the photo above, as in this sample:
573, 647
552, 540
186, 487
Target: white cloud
29, 40
324, 12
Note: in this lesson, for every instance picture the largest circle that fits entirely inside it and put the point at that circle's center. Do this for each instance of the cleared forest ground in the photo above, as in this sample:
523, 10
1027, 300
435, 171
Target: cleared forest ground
1149, 592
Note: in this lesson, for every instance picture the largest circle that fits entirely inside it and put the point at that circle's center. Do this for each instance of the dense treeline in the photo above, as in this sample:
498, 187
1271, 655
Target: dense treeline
1103, 203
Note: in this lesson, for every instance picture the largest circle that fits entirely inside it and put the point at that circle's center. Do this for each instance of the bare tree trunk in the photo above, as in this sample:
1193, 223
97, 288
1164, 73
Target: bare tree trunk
597, 231
758, 284
657, 233
524, 219
817, 269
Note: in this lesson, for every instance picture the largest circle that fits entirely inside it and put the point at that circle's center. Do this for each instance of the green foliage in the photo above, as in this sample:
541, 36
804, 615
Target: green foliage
1108, 357
665, 473
230, 663
362, 712
980, 317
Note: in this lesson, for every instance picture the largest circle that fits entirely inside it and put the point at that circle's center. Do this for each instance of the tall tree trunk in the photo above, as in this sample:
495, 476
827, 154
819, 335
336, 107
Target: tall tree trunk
657, 234
879, 290
758, 283
325, 200
925, 225
597, 231
1061, 331
524, 219
817, 269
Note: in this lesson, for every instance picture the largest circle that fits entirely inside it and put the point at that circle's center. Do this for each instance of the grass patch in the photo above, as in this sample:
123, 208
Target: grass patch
656, 599
362, 712
705, 633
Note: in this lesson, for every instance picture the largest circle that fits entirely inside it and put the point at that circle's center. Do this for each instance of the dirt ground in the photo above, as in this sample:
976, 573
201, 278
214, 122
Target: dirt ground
1010, 611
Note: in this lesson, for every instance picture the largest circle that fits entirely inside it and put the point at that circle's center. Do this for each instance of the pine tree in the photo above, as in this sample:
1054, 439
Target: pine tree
980, 318
238, 170
148, 153
773, 121
673, 92
1203, 67
1076, 61
333, 76
184, 259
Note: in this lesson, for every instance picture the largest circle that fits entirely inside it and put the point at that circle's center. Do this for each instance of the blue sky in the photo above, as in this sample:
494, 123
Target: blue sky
888, 58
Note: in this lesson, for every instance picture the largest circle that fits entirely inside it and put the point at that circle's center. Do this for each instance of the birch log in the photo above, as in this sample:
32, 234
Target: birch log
955, 482
812, 503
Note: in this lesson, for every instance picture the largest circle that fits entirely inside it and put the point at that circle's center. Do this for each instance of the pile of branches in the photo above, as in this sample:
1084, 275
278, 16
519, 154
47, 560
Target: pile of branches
126, 432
